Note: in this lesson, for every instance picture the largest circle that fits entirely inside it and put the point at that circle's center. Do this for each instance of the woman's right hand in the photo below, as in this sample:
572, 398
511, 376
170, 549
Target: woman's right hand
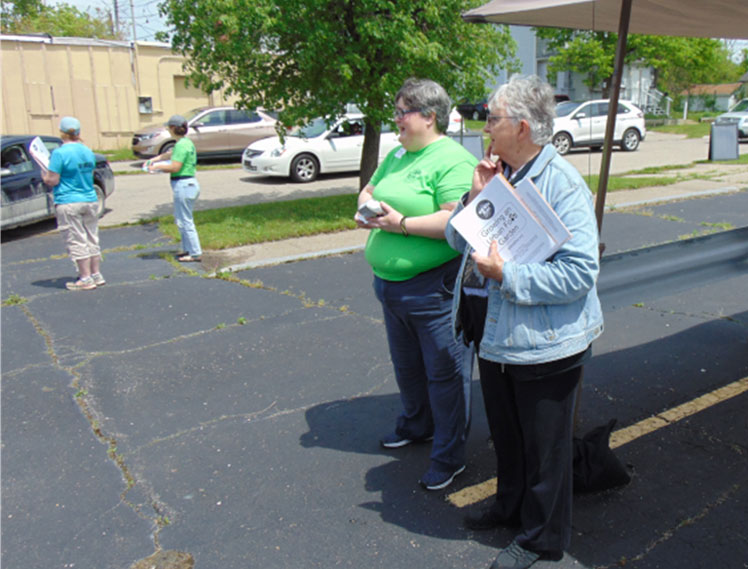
484, 173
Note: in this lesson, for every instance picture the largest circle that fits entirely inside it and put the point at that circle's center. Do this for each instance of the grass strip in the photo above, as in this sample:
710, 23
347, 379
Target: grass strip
258, 223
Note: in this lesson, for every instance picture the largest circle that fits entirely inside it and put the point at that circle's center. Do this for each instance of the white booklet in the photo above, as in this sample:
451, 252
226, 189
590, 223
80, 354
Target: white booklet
39, 152
519, 219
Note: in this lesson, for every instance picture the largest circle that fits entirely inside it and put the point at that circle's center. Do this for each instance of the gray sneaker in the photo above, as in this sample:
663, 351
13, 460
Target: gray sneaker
514, 557
98, 279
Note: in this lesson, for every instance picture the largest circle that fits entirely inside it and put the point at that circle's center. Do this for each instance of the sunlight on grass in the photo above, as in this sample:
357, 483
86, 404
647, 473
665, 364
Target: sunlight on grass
691, 130
616, 183
257, 223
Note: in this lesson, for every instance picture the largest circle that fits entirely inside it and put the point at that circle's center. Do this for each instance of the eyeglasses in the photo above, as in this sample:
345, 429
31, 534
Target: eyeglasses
400, 113
493, 119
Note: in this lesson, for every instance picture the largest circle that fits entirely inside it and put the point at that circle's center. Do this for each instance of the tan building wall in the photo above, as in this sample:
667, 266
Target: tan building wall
113, 87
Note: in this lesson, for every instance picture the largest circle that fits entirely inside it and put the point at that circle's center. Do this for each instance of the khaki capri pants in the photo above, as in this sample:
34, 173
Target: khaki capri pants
79, 227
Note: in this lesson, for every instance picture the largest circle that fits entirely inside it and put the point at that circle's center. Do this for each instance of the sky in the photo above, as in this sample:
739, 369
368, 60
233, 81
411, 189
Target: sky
147, 19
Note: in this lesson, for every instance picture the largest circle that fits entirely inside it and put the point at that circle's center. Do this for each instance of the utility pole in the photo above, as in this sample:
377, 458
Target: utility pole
132, 13
116, 18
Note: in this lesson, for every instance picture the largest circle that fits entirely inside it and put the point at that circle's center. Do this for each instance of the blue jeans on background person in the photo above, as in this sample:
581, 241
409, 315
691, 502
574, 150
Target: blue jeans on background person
433, 371
186, 192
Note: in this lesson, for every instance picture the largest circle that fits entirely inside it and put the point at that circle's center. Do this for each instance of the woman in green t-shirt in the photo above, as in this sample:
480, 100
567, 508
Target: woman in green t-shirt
418, 184
182, 163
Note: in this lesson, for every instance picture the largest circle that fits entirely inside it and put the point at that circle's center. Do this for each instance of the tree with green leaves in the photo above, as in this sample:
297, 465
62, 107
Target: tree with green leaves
34, 16
312, 57
679, 62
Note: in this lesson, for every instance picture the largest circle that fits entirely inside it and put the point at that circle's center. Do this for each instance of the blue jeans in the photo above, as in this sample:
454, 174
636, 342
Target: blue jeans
186, 192
433, 371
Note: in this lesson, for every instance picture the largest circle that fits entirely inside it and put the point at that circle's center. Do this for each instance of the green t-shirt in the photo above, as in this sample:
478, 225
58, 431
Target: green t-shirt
417, 183
184, 152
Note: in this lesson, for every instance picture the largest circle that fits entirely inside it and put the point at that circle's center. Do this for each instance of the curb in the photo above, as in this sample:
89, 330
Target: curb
355, 248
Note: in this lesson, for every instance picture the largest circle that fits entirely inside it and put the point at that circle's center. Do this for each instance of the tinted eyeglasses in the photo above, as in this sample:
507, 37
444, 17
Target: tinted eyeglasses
400, 113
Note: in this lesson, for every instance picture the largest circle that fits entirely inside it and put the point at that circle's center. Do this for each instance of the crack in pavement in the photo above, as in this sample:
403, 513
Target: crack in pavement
671, 532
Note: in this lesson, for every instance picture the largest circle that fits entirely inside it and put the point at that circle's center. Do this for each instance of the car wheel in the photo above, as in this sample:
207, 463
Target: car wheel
476, 115
304, 168
100, 200
562, 142
630, 140
167, 146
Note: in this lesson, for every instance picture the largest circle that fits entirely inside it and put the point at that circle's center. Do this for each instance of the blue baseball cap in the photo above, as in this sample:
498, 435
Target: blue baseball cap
177, 120
70, 125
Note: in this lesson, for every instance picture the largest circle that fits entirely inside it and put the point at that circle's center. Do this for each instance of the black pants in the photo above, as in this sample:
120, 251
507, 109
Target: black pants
531, 421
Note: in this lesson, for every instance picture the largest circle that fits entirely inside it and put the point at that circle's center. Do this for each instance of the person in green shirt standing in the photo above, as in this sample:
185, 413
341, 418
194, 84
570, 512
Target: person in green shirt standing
182, 166
418, 185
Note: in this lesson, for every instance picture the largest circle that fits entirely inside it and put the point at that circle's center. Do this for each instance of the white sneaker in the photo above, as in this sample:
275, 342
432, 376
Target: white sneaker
98, 279
81, 284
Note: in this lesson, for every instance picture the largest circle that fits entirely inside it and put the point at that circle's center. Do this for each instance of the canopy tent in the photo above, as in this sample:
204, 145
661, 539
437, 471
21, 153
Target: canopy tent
694, 18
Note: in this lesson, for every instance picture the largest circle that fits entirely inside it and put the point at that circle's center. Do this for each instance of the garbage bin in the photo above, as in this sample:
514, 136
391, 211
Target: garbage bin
723, 142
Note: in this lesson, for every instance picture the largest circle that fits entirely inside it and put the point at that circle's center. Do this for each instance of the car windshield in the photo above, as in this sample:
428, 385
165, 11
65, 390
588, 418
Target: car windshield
565, 108
742, 106
313, 129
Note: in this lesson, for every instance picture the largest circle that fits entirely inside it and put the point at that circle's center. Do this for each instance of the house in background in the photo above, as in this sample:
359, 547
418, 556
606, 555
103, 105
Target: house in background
720, 97
638, 82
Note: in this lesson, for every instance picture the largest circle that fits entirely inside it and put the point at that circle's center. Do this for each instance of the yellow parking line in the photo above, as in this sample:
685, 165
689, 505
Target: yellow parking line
477, 492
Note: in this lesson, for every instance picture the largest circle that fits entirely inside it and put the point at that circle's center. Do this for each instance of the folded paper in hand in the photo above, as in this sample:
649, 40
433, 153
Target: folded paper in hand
524, 225
39, 152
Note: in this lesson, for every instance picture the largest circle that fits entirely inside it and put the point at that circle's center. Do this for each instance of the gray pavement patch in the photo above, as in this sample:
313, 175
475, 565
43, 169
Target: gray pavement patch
61, 494
23, 347
147, 313
258, 441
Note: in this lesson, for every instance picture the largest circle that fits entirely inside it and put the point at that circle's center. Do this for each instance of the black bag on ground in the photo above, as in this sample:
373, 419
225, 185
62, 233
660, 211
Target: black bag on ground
596, 468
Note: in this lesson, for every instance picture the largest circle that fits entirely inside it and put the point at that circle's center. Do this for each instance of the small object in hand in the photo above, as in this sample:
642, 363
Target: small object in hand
371, 208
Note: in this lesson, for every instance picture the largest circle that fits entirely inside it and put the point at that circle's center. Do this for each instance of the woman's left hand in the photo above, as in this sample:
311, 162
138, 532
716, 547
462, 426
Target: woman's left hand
491, 266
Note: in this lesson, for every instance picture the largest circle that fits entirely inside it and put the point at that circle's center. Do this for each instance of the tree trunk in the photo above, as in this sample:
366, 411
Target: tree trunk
370, 152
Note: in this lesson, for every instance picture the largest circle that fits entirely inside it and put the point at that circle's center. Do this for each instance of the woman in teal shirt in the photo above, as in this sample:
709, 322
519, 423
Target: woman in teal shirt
182, 167
70, 173
418, 184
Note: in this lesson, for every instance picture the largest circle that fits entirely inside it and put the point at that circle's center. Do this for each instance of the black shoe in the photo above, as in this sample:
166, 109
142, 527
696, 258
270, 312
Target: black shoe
514, 557
488, 518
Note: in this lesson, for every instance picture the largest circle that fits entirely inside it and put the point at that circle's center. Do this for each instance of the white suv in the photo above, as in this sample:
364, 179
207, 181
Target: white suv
583, 124
738, 116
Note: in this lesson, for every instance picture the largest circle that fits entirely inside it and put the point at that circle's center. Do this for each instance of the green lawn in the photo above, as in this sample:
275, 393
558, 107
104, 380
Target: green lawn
257, 223
691, 130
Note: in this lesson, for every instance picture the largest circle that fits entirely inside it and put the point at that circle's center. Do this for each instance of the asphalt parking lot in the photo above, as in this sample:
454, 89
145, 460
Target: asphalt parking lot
235, 423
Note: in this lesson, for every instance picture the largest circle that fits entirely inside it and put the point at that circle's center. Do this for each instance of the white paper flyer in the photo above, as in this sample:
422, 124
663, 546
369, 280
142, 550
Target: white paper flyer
523, 224
39, 152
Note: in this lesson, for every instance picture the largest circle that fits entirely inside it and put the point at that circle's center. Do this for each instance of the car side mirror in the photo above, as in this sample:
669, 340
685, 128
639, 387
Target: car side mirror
580, 116
197, 125
5, 172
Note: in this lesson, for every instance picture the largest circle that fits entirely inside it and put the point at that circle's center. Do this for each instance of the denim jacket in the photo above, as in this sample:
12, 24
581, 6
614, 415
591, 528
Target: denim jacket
543, 312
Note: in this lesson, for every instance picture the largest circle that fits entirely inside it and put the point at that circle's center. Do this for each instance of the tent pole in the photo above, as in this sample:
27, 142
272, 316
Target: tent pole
602, 187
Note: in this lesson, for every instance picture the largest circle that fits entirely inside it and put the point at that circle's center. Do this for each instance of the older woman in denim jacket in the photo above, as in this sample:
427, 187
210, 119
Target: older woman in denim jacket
534, 324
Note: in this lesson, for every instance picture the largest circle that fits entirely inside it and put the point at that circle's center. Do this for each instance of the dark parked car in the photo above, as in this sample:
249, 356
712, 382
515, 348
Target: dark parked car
25, 198
475, 111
